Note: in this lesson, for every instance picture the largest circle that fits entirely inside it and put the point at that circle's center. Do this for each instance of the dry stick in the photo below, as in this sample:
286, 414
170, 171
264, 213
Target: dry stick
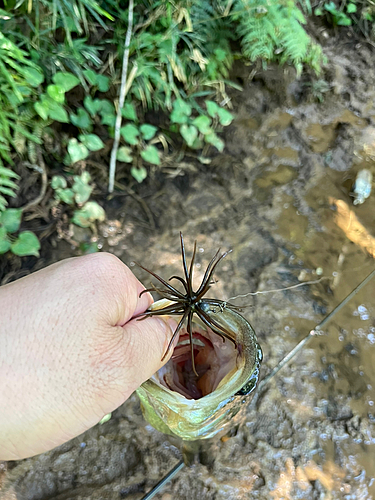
123, 89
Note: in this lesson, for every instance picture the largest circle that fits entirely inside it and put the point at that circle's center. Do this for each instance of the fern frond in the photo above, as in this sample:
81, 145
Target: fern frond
7, 185
273, 30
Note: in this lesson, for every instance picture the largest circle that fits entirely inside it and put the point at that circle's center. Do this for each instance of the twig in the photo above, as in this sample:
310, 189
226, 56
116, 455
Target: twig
41, 168
123, 89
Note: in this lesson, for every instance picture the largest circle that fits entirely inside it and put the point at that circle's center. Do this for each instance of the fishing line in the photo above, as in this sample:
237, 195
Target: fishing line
261, 292
318, 330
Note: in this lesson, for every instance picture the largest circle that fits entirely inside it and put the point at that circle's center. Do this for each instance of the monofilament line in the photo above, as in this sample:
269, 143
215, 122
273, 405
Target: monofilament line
314, 332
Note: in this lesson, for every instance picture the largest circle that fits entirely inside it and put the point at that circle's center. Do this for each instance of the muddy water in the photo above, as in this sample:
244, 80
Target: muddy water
280, 198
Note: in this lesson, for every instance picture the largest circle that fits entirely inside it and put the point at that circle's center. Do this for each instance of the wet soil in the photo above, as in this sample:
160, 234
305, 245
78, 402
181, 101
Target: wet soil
273, 197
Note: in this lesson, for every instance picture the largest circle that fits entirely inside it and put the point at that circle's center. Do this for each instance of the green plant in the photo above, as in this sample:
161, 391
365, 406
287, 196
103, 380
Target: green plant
200, 129
273, 30
86, 212
7, 186
25, 243
339, 17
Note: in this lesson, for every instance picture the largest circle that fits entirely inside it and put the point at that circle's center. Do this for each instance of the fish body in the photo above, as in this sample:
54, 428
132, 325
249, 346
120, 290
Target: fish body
176, 402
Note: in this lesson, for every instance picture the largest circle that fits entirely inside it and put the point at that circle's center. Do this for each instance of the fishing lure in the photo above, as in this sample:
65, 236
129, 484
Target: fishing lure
362, 186
199, 390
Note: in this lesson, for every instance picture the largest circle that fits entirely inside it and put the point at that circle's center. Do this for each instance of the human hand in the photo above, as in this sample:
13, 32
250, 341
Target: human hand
70, 351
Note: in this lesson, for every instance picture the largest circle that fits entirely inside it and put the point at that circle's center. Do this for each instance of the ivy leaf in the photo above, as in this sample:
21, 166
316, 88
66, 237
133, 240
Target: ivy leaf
212, 108
93, 106
91, 141
89, 213
107, 113
103, 83
213, 139
225, 117
56, 93
66, 81
58, 181
82, 190
10, 219
181, 111
148, 131
128, 112
81, 119
26, 244
351, 8
77, 151
130, 133
139, 174
4, 241
124, 154
90, 76
189, 133
203, 123
65, 195
33, 76
151, 154
58, 113
42, 109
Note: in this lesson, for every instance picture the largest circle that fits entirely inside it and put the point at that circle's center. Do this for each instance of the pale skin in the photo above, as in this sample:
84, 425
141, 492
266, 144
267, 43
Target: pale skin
70, 351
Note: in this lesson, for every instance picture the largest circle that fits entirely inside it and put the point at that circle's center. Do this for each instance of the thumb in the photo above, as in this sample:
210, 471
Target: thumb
146, 342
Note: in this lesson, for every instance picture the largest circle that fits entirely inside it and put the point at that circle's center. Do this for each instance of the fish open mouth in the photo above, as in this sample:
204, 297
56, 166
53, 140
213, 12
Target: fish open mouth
215, 360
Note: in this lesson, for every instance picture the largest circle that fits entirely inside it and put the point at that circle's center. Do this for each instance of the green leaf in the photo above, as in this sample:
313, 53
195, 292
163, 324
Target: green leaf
77, 151
181, 111
212, 108
351, 8
139, 174
42, 109
56, 111
148, 131
33, 76
56, 93
65, 195
66, 81
82, 190
93, 106
189, 133
58, 181
203, 123
130, 133
10, 219
89, 213
213, 139
128, 112
151, 154
90, 76
225, 117
81, 119
7, 191
124, 154
91, 141
107, 113
4, 241
103, 83
8, 172
26, 244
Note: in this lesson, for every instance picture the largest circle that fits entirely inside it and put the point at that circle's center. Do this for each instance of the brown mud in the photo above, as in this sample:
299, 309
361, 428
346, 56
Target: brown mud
273, 197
